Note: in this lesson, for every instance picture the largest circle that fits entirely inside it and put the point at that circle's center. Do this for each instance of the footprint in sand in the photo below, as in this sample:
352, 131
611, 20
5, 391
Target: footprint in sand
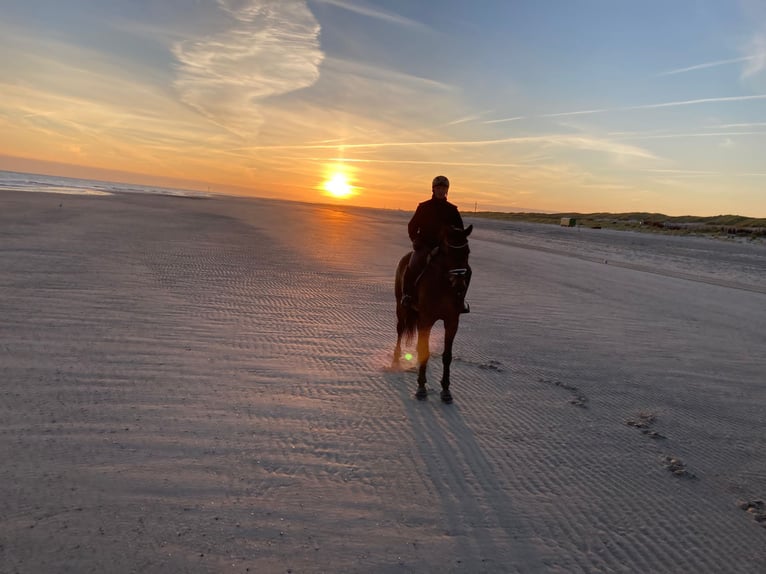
490, 365
644, 422
677, 467
578, 400
756, 509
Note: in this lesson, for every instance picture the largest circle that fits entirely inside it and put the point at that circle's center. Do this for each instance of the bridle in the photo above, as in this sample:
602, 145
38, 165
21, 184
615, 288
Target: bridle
459, 271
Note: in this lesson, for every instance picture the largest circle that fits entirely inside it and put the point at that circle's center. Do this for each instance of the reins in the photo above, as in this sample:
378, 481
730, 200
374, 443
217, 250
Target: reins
460, 271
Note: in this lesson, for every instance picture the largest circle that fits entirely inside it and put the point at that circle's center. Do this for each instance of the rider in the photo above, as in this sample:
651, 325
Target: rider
424, 229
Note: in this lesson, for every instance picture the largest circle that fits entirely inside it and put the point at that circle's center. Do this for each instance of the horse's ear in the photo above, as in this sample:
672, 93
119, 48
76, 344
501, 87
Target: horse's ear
468, 230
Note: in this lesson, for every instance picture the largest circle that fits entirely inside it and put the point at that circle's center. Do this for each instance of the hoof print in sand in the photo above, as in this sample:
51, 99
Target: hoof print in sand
491, 366
644, 422
677, 467
578, 400
756, 509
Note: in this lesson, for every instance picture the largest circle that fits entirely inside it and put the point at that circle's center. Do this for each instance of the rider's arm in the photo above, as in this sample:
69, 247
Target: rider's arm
457, 220
414, 225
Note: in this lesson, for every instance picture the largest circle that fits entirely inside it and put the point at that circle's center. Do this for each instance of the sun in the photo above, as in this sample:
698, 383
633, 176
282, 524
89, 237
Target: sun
338, 186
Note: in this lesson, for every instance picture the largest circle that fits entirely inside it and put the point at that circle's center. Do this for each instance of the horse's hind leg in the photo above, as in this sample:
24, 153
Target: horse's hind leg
423, 355
450, 330
401, 313
398, 347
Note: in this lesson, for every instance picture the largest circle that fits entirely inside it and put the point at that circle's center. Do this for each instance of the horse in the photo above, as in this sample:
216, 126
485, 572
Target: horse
440, 292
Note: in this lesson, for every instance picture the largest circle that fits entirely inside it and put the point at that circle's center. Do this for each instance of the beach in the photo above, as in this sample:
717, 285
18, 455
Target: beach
202, 384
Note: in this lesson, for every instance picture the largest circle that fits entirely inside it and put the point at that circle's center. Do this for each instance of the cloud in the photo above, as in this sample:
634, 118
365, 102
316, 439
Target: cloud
271, 47
558, 140
699, 101
439, 161
705, 65
374, 13
705, 174
660, 105
382, 78
756, 61
739, 125
641, 136
504, 120
463, 120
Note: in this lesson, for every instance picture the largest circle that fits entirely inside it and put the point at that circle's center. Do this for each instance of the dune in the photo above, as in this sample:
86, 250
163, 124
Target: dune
201, 386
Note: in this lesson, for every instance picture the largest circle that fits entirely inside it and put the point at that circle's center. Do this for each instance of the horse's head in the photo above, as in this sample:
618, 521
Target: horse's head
455, 249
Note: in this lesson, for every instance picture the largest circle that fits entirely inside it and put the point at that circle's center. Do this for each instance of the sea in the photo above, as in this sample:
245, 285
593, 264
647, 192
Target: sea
33, 182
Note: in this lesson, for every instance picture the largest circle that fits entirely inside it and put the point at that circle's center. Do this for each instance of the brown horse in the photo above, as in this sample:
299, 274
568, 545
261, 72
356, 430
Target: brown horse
440, 292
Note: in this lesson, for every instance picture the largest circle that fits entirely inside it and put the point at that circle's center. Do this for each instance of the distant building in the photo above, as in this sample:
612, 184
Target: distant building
568, 222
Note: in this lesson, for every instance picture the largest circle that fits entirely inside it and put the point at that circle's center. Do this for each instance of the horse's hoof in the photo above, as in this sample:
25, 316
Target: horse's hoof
446, 397
421, 394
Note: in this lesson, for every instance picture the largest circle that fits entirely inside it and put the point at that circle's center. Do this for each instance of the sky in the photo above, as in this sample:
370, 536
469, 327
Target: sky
553, 105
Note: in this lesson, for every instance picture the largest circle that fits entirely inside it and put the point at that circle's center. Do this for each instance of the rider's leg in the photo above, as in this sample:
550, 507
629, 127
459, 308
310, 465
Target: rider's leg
466, 307
413, 271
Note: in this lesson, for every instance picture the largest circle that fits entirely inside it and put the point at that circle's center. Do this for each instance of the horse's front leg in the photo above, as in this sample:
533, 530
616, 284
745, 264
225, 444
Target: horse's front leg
450, 330
423, 355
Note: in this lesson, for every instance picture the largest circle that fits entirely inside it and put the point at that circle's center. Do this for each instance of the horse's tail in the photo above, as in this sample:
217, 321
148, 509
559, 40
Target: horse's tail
407, 318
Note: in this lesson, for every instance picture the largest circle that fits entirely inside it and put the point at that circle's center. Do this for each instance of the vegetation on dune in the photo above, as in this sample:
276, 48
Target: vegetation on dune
648, 222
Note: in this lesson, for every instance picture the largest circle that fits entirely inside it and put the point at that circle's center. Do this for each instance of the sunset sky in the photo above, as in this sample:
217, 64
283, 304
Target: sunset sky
550, 105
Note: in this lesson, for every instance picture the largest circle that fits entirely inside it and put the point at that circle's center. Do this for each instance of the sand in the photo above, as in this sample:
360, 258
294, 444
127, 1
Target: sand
200, 385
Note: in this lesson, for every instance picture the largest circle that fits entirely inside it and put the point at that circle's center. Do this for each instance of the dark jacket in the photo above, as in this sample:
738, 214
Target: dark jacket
430, 216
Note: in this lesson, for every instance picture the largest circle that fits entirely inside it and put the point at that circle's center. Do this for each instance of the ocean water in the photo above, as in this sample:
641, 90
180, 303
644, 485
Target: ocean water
18, 181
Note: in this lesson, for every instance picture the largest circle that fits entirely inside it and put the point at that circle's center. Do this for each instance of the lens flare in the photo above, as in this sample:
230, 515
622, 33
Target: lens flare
408, 356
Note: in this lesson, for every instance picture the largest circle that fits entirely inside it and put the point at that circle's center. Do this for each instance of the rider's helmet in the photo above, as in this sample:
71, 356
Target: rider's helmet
440, 180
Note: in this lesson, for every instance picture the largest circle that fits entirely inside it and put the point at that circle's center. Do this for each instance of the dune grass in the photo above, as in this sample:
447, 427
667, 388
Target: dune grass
647, 222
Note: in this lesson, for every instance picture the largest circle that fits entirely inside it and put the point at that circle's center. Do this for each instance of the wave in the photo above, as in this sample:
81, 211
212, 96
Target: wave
35, 182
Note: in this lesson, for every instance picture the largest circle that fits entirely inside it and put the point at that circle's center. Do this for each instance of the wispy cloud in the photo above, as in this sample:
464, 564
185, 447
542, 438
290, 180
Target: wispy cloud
561, 140
739, 125
691, 172
699, 173
659, 105
705, 65
376, 13
270, 48
463, 120
639, 136
579, 112
504, 120
593, 111
440, 161
379, 75
756, 61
